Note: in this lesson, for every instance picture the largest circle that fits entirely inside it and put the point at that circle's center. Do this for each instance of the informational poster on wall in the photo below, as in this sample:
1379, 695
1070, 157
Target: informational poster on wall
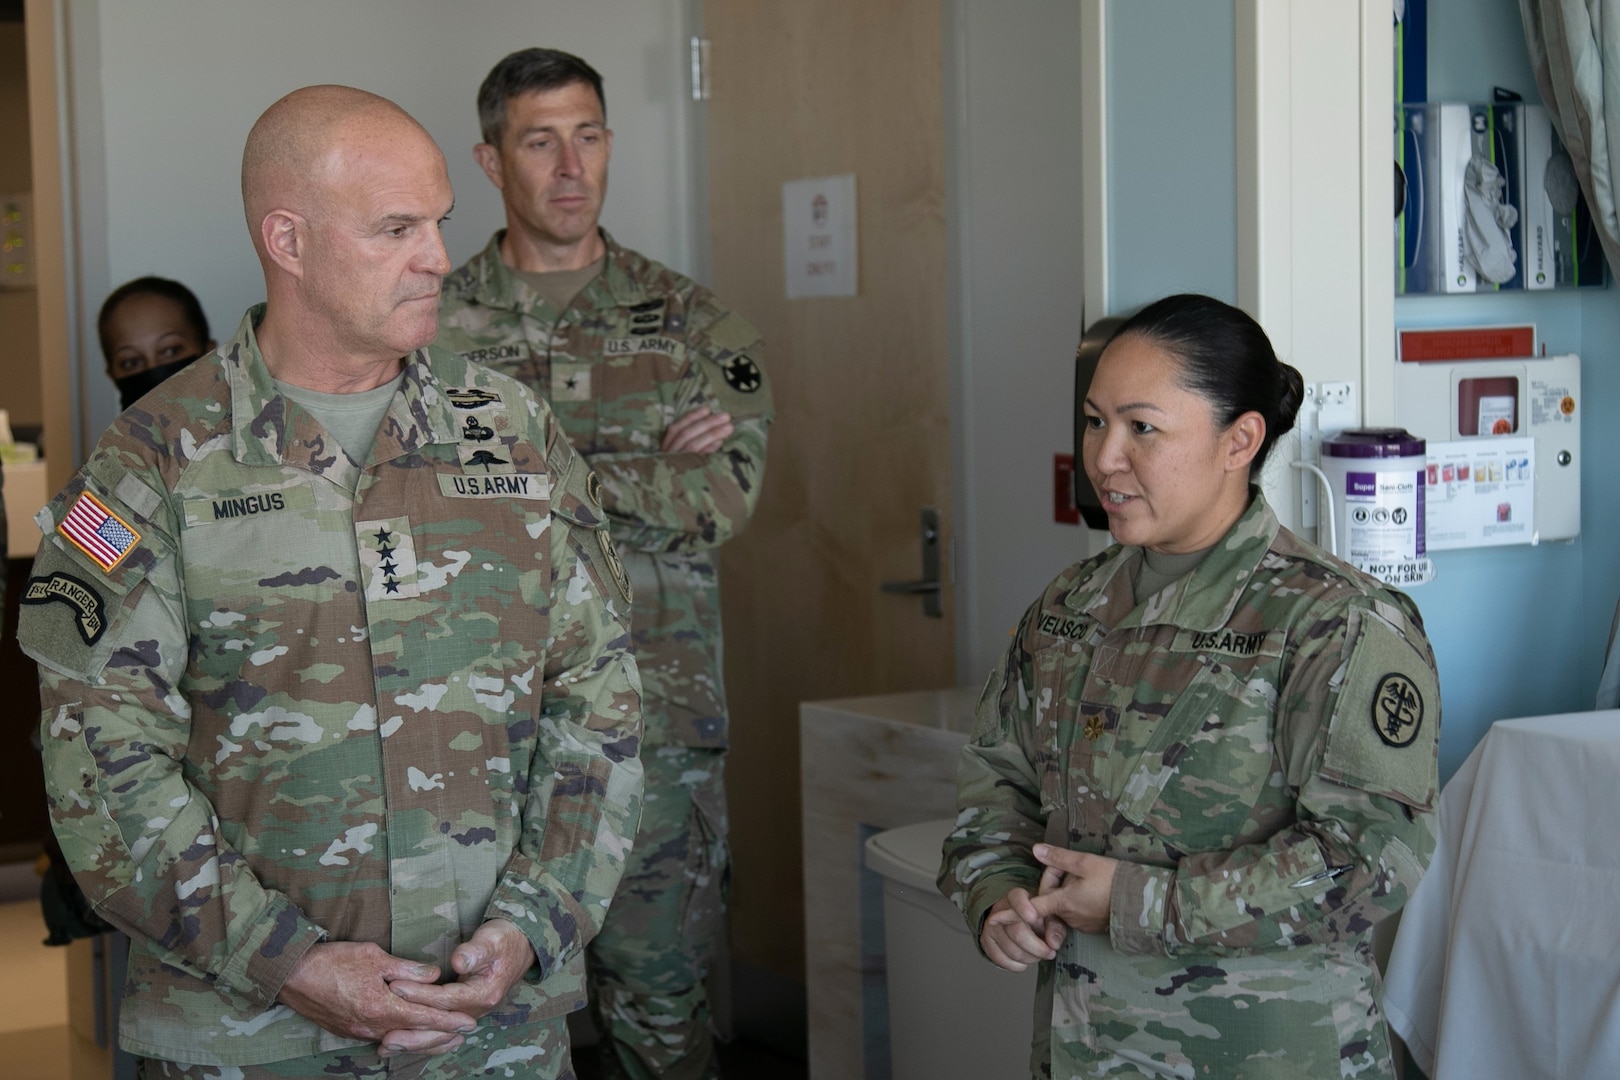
819, 236
1481, 492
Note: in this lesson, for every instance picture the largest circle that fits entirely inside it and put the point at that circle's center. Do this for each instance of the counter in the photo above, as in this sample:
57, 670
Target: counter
867, 764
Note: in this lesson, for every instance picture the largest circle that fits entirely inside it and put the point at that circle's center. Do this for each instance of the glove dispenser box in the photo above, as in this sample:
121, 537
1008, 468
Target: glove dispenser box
1487, 198
1486, 399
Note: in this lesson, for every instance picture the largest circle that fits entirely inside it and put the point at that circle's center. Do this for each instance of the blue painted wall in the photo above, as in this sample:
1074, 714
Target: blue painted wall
1172, 164
1519, 631
1600, 483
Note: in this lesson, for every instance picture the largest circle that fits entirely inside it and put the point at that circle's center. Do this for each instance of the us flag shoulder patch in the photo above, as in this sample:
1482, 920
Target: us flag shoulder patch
98, 532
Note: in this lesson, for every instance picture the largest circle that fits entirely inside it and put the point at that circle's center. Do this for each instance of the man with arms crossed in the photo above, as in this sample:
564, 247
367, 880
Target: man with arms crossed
660, 388
340, 717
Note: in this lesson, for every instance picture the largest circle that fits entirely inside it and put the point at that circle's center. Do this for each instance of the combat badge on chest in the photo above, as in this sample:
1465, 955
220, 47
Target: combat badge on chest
486, 463
647, 317
77, 594
479, 450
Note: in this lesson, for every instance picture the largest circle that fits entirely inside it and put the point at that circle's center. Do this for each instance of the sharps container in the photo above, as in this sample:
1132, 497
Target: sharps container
951, 1011
1377, 479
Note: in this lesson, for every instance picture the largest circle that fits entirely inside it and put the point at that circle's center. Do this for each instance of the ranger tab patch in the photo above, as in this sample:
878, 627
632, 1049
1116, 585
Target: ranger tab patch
98, 532
66, 589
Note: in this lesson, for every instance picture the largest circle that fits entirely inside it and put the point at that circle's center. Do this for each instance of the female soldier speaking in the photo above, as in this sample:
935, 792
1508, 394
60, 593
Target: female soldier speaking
1206, 766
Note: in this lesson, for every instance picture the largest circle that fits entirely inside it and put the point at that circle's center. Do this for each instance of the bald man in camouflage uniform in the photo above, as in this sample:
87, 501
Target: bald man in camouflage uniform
340, 718
660, 388
1256, 747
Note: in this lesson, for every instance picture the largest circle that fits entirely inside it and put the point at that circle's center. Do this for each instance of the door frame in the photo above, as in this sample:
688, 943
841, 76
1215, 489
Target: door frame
1315, 207
48, 137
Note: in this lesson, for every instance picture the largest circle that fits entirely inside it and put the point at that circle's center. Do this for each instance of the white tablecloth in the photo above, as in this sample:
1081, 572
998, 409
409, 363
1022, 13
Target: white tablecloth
1507, 961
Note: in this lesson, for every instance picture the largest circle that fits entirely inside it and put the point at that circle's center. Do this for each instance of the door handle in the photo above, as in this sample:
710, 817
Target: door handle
929, 587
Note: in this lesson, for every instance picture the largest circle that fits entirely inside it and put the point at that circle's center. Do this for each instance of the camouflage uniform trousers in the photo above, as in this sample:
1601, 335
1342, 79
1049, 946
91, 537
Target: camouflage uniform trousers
646, 968
541, 1053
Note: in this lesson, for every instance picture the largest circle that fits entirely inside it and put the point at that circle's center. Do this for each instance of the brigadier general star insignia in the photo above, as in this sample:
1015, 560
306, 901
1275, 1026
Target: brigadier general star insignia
470, 397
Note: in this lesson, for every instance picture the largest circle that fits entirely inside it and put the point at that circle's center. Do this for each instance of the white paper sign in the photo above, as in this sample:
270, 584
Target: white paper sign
1481, 492
818, 225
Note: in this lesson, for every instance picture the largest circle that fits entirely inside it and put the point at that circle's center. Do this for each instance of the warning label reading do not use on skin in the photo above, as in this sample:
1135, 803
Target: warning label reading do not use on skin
1384, 527
1385, 513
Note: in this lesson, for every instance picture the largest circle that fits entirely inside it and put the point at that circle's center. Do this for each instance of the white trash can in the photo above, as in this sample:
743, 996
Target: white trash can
952, 1013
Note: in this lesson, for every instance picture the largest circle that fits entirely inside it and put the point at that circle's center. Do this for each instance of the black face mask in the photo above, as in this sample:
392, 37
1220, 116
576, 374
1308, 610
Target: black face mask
131, 388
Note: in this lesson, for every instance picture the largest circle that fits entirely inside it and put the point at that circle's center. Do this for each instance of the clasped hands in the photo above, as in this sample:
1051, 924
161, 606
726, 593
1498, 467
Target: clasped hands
701, 431
1073, 894
358, 990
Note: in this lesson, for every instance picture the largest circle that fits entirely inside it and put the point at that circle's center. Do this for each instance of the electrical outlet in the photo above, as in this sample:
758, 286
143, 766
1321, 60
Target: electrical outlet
1328, 408
1336, 407
1336, 393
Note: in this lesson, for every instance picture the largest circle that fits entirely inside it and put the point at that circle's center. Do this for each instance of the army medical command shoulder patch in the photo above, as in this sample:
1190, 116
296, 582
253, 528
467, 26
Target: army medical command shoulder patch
1383, 732
98, 532
1397, 710
60, 588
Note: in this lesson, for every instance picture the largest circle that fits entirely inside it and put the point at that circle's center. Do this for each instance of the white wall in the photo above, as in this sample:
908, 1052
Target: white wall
1013, 168
164, 92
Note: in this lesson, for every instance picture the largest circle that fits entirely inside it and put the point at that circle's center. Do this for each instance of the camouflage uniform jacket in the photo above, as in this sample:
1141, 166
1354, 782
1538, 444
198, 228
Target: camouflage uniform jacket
290, 699
1256, 744
638, 348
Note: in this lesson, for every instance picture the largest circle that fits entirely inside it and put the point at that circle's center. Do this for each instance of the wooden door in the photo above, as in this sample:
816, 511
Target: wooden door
862, 435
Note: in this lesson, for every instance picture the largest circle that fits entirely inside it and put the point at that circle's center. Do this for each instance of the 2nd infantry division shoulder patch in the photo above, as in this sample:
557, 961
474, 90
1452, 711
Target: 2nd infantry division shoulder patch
742, 374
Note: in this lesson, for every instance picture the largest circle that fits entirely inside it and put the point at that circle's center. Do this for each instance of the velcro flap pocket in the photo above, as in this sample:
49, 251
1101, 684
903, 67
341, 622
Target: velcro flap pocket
1384, 733
100, 545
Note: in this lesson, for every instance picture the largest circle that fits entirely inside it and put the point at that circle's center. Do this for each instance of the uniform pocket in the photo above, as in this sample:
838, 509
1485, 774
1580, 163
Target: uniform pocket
708, 867
1069, 732
73, 612
1198, 777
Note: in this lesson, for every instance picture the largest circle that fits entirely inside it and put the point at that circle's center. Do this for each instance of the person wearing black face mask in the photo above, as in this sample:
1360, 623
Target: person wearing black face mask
150, 328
